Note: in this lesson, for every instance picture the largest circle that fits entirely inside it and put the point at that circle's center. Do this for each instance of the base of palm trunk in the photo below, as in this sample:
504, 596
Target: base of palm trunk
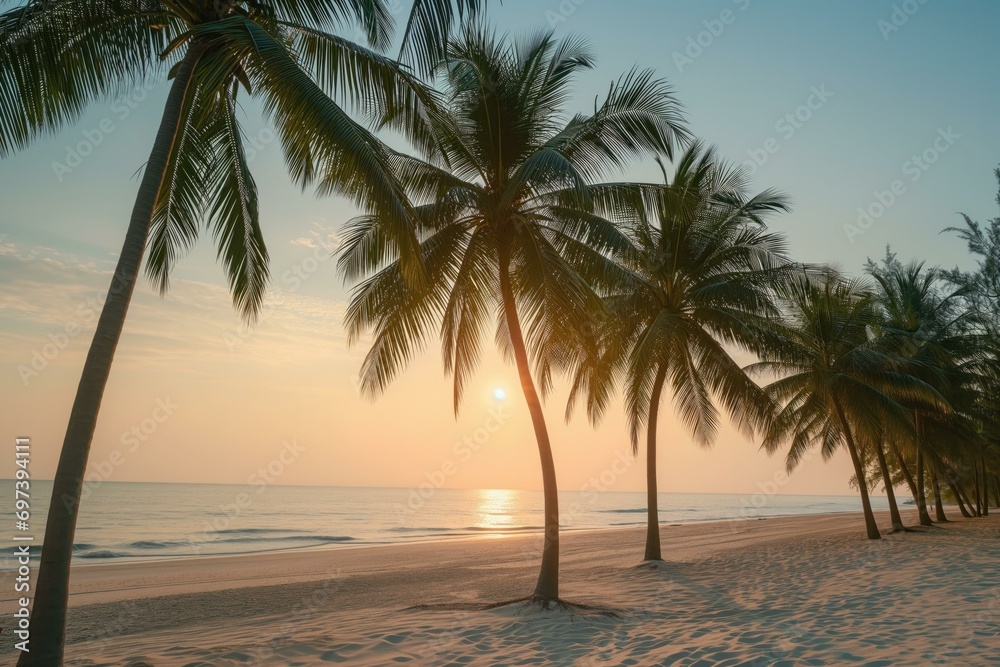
519, 605
652, 564
542, 604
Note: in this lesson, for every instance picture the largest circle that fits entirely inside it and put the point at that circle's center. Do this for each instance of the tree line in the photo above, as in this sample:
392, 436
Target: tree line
507, 218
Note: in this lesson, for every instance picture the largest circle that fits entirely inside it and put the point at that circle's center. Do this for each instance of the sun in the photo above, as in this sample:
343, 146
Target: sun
499, 393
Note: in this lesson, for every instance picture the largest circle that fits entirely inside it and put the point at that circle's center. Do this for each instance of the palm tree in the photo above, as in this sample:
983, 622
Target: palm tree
981, 296
700, 277
920, 323
510, 237
57, 56
884, 473
834, 385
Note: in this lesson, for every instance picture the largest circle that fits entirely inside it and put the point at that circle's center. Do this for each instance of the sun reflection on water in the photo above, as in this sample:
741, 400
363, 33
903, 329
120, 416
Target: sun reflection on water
497, 509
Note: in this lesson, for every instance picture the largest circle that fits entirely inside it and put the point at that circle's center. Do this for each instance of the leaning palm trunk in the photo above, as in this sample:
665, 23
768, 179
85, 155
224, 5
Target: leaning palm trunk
959, 497
907, 475
897, 520
870, 525
547, 588
652, 500
938, 505
48, 616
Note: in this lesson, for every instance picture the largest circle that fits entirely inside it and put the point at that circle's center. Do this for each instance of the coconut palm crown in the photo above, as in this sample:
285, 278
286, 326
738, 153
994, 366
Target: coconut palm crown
700, 278
58, 56
507, 216
836, 386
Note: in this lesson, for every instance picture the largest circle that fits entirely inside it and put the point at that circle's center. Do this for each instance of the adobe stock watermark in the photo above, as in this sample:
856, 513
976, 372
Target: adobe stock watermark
58, 341
88, 312
293, 277
767, 489
94, 136
786, 127
263, 477
319, 600
590, 494
135, 437
592, 489
914, 168
464, 450
255, 144
562, 13
697, 44
899, 17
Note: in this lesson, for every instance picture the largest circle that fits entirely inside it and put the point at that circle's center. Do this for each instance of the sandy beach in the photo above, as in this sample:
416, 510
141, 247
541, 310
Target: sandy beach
784, 591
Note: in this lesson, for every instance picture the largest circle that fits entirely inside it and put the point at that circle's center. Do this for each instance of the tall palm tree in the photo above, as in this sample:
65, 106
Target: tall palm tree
509, 233
57, 56
835, 387
700, 276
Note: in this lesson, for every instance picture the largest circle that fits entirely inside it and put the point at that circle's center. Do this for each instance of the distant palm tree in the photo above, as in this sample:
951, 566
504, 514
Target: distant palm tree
922, 324
884, 472
701, 273
981, 296
510, 237
57, 56
835, 386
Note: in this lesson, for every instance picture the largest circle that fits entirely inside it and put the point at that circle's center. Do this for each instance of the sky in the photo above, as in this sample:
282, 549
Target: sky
875, 116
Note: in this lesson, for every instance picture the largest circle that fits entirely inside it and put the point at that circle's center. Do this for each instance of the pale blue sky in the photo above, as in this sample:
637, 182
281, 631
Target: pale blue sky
886, 97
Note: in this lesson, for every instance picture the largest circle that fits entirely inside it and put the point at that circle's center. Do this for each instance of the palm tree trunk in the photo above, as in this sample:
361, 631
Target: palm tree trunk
897, 520
959, 497
870, 525
975, 488
996, 490
652, 501
968, 499
547, 587
907, 475
986, 488
925, 518
48, 613
938, 505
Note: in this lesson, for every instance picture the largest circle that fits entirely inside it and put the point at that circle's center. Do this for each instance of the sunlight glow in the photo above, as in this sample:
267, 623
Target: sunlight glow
496, 509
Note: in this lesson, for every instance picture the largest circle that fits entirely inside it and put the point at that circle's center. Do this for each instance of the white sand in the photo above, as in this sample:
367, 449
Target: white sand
795, 591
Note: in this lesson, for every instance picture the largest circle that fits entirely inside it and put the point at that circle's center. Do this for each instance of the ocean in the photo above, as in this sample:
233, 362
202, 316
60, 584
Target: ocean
123, 521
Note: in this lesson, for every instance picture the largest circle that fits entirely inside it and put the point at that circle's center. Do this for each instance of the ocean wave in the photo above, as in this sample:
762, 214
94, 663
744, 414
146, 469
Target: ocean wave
501, 529
148, 548
103, 553
155, 544
253, 531
414, 529
625, 511
287, 538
